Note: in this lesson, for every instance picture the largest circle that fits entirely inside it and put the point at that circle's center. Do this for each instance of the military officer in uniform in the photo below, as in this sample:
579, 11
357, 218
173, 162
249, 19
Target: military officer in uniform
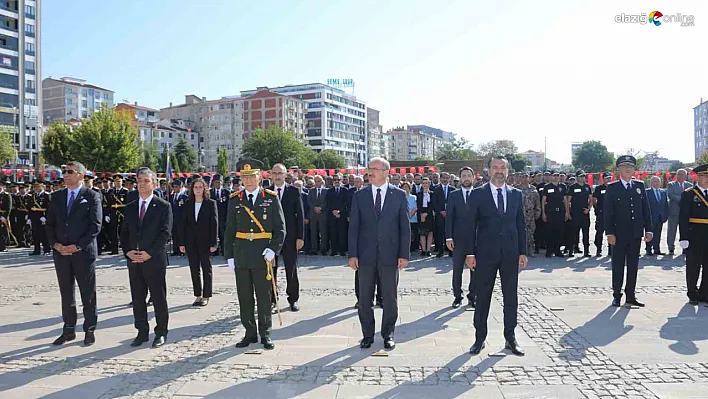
627, 220
24, 198
117, 200
693, 235
553, 212
103, 240
540, 232
38, 215
532, 209
255, 233
580, 195
598, 196
5, 209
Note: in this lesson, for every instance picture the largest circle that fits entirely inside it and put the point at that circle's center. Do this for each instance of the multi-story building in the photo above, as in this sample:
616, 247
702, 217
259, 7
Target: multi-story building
20, 101
167, 133
700, 137
537, 159
409, 145
219, 122
377, 140
574, 147
335, 120
70, 98
444, 135
266, 108
139, 113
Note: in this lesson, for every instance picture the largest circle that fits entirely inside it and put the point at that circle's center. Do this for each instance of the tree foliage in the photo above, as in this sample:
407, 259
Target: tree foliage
222, 162
456, 150
57, 144
7, 150
276, 144
593, 156
186, 156
498, 147
149, 156
703, 159
328, 159
106, 142
163, 161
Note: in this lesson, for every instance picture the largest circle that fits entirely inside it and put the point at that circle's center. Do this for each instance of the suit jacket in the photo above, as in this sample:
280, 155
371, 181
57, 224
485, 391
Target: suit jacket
152, 234
314, 201
293, 212
382, 239
201, 234
458, 221
81, 226
305, 205
439, 199
674, 190
659, 210
626, 212
177, 202
338, 201
494, 237
222, 203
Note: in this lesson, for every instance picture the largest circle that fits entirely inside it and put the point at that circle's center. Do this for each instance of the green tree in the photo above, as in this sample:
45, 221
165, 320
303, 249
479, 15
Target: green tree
455, 150
677, 165
107, 142
7, 150
57, 144
703, 159
149, 156
276, 144
186, 156
222, 162
498, 147
593, 156
163, 161
328, 159
424, 160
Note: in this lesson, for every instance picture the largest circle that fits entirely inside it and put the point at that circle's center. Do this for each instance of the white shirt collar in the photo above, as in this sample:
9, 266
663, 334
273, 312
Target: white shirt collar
494, 188
255, 192
625, 183
147, 200
282, 188
383, 187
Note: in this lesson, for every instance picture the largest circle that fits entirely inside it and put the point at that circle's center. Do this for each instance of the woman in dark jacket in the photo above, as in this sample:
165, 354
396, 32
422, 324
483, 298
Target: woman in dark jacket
425, 217
198, 237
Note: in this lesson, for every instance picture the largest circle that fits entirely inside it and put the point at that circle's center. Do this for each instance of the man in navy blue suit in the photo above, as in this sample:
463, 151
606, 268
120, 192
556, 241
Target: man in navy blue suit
498, 243
337, 204
379, 246
659, 209
458, 235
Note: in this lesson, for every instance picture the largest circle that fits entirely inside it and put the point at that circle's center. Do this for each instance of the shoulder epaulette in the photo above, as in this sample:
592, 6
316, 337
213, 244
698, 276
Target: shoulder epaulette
613, 182
235, 193
271, 192
689, 189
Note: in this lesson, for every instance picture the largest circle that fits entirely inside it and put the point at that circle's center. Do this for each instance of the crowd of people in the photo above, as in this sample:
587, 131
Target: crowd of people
489, 223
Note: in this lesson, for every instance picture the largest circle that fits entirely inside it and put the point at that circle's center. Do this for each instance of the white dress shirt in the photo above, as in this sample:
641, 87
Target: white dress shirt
383, 188
627, 185
76, 194
426, 199
147, 203
466, 191
282, 191
494, 194
197, 207
255, 195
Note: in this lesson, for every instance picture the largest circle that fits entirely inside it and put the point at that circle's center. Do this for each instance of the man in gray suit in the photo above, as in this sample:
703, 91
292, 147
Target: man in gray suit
317, 202
659, 209
674, 191
379, 246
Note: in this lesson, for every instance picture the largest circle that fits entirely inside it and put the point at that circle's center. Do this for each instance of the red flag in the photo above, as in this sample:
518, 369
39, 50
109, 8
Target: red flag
433, 168
342, 171
311, 172
321, 172
362, 171
351, 171
331, 172
7, 172
421, 169
20, 174
644, 175
590, 180
392, 171
42, 174
411, 170
402, 171
613, 176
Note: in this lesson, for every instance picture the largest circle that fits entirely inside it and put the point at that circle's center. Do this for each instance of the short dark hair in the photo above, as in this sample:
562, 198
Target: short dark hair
499, 157
405, 184
466, 168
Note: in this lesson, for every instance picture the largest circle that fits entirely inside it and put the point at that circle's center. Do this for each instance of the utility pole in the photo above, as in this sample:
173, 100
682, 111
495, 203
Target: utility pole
545, 153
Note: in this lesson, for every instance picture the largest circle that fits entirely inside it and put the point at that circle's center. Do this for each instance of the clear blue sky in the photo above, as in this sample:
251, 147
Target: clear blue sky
488, 70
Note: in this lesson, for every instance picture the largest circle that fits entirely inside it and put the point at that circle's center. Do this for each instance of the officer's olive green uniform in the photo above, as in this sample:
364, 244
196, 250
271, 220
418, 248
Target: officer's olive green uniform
245, 242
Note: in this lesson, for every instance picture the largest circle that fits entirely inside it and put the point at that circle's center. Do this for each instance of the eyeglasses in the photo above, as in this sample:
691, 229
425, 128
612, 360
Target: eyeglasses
377, 169
336, 180
69, 171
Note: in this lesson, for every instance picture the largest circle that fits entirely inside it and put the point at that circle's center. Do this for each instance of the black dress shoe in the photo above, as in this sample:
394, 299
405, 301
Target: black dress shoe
476, 349
379, 304
356, 305
659, 253
648, 253
456, 304
439, 255
366, 343
587, 254
267, 344
514, 347
470, 303
295, 307
158, 341
634, 302
671, 252
149, 302
89, 338
598, 254
140, 339
693, 302
389, 343
196, 302
34, 253
616, 302
64, 338
247, 341
203, 302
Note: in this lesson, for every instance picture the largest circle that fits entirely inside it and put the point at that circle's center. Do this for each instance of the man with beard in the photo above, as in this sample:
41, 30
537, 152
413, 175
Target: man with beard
439, 199
552, 213
458, 235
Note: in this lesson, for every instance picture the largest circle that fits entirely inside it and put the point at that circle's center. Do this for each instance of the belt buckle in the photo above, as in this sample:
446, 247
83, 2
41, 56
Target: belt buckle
249, 236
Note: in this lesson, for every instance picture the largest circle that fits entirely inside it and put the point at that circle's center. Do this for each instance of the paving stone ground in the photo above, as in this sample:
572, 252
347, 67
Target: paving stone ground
577, 345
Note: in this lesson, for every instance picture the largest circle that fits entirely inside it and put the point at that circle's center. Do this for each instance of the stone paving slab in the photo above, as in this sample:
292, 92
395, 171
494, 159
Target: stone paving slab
679, 391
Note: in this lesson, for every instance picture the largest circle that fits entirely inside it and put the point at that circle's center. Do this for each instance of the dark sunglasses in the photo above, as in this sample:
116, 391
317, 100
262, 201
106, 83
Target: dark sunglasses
69, 171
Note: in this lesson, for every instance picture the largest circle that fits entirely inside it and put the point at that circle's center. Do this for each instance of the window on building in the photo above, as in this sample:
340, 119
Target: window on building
29, 66
29, 48
29, 30
30, 101
84, 103
29, 11
170, 134
84, 92
30, 85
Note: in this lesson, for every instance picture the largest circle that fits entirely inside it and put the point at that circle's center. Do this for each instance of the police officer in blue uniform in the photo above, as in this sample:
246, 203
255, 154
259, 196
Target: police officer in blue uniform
598, 197
627, 220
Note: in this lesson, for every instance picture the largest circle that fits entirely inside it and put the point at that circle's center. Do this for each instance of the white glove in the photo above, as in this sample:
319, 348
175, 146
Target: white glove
2, 218
268, 254
26, 217
42, 219
108, 219
230, 262
683, 244
29, 222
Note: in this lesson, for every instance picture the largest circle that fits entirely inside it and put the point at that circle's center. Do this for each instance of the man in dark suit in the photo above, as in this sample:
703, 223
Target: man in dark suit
458, 235
379, 245
337, 207
306, 214
144, 235
221, 196
498, 236
439, 199
73, 223
317, 198
627, 219
598, 196
5, 209
291, 202
659, 210
177, 199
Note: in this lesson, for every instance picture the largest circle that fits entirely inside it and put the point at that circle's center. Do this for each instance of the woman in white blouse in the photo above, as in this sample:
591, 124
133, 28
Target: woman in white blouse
198, 235
426, 223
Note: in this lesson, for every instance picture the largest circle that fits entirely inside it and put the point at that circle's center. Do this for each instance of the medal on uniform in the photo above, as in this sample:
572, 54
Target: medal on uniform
639, 190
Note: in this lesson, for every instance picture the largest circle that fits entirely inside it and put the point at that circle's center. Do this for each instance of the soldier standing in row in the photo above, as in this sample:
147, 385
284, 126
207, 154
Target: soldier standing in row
38, 215
598, 196
5, 209
532, 209
24, 222
553, 212
117, 200
693, 230
580, 195
104, 243
255, 232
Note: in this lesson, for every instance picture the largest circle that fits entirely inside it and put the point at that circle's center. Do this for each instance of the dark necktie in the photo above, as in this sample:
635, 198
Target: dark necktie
279, 197
467, 196
250, 198
71, 203
705, 193
142, 212
377, 204
218, 194
500, 202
